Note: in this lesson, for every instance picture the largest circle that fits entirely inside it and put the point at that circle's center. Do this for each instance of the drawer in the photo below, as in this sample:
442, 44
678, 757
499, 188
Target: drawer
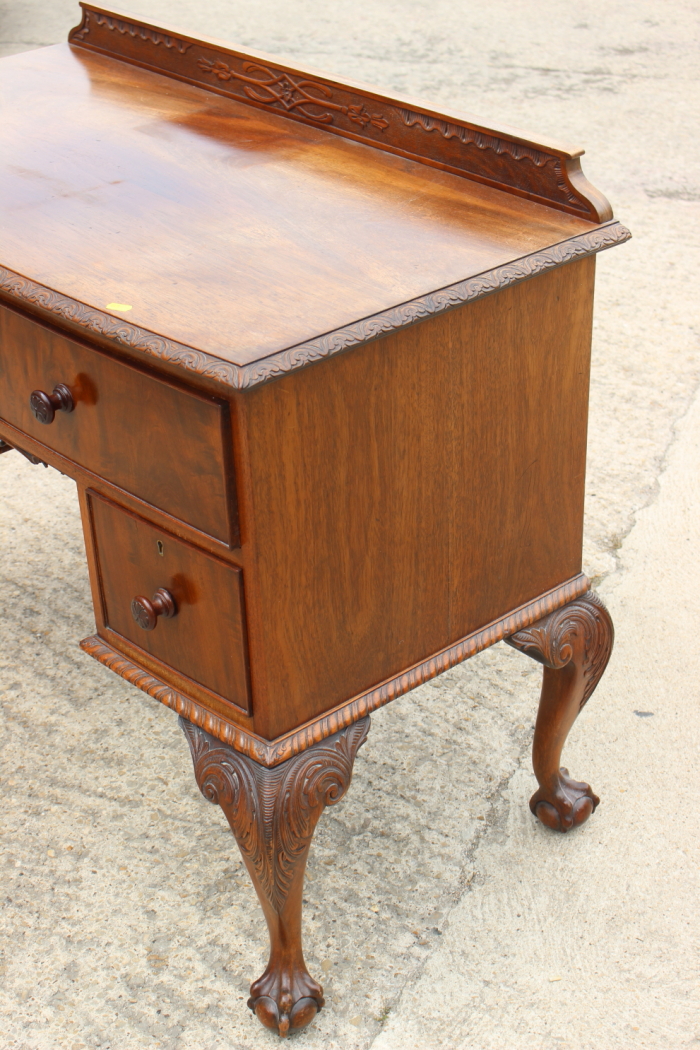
198, 627
164, 444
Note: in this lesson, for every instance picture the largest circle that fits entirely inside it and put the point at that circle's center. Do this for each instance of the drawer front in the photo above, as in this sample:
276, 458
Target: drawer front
202, 634
166, 445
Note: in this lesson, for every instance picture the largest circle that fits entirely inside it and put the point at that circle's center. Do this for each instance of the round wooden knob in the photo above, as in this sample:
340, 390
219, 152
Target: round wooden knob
45, 406
146, 612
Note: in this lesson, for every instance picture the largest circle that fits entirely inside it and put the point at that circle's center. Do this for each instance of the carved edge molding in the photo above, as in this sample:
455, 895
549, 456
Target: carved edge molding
22, 290
546, 172
434, 303
272, 752
574, 190
133, 29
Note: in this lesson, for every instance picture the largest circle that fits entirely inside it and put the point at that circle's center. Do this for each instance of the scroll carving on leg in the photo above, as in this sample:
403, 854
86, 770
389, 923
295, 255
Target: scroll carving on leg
273, 814
574, 644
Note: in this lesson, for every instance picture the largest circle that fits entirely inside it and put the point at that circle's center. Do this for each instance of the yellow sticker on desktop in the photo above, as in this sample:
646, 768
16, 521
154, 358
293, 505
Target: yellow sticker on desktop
118, 306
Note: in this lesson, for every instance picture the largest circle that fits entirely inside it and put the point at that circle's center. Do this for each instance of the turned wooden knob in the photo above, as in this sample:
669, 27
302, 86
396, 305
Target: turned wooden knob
146, 612
45, 406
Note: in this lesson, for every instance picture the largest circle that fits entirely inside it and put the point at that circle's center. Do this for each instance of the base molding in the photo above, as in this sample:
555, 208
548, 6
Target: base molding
272, 752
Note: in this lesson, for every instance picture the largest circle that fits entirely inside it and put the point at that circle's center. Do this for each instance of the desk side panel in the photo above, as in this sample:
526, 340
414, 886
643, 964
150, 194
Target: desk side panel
520, 383
409, 492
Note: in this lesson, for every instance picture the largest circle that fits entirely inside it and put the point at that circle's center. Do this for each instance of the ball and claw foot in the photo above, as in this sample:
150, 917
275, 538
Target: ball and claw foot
570, 804
285, 1015
286, 998
574, 644
272, 813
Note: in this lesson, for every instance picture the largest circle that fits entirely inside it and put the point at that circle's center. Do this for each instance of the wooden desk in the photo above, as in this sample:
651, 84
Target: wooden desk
318, 360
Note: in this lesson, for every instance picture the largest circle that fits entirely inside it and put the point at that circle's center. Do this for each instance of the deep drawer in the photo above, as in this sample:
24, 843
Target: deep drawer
200, 631
166, 445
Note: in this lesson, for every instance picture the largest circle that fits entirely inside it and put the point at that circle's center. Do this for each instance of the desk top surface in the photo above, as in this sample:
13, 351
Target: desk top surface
225, 226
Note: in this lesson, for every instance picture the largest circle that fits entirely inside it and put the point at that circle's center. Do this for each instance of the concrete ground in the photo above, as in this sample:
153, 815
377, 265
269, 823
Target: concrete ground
440, 915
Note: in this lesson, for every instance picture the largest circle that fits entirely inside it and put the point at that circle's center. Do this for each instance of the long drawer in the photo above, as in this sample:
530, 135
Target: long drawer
166, 445
181, 605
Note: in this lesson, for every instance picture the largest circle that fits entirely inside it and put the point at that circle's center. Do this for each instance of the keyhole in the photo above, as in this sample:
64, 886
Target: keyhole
161, 548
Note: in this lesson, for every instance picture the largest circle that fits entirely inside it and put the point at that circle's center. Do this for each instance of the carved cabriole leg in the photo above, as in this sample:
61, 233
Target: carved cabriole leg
273, 814
574, 644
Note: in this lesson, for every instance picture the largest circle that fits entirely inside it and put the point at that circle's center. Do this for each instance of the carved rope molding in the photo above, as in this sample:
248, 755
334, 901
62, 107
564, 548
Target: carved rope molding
273, 813
272, 752
22, 290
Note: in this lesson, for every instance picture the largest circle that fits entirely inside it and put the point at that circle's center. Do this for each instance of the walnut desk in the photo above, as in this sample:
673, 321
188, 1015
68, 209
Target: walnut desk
317, 359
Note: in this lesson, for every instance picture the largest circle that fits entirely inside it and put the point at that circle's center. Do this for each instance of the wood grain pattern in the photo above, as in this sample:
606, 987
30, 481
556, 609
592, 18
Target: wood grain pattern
272, 752
86, 479
182, 223
502, 157
273, 814
173, 445
183, 358
289, 234
406, 494
574, 644
205, 639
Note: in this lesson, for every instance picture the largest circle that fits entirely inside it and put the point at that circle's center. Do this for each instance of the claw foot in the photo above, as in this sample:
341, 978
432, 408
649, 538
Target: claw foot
283, 1011
569, 804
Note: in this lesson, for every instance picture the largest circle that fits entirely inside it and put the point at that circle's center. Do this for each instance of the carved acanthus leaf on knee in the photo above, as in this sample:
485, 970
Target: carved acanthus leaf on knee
273, 813
574, 644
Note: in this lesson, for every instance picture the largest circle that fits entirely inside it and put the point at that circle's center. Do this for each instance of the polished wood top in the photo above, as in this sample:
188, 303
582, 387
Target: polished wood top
225, 226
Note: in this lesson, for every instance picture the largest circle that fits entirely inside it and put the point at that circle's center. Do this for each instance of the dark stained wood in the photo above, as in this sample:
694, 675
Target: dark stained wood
273, 814
520, 405
204, 635
574, 644
86, 479
224, 376
45, 406
413, 491
145, 611
34, 460
232, 729
165, 444
231, 284
502, 156
228, 228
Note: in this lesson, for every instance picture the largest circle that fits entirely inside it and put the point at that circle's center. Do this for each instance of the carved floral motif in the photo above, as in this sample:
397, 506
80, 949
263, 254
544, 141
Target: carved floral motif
559, 179
271, 87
